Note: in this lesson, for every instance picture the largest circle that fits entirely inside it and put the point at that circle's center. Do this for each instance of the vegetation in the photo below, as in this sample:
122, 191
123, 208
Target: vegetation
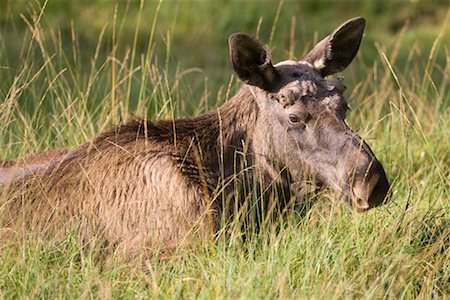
71, 69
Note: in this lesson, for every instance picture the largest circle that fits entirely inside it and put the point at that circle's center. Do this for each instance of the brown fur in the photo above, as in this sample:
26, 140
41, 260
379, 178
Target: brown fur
34, 158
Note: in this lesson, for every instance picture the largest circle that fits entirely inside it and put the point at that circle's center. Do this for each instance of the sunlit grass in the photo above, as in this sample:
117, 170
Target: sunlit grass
400, 250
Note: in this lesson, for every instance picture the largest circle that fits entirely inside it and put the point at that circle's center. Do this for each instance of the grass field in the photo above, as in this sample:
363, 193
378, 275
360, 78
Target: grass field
69, 70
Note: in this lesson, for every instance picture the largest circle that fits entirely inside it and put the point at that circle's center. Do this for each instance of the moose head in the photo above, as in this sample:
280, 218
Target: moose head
302, 115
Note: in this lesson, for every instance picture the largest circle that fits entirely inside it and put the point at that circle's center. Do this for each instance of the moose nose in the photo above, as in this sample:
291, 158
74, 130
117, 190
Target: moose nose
371, 190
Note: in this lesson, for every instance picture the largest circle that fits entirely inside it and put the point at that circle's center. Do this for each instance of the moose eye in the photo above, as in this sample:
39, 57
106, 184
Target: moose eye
294, 119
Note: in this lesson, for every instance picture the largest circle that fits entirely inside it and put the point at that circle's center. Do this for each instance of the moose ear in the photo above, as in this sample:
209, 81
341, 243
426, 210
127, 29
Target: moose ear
251, 61
335, 52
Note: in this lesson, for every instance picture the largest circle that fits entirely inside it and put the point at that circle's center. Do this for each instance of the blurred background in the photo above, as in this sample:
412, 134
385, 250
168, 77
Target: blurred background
197, 30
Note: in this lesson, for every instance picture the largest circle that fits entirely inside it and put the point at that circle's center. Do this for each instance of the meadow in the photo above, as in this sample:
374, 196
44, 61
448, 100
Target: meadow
69, 70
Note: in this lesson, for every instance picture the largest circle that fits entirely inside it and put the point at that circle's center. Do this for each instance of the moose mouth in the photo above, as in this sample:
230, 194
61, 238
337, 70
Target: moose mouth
360, 194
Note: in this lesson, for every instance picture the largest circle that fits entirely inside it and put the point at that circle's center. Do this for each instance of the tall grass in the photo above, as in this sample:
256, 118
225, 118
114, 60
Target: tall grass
61, 94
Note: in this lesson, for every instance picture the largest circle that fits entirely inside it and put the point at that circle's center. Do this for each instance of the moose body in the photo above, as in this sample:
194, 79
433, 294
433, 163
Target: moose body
158, 183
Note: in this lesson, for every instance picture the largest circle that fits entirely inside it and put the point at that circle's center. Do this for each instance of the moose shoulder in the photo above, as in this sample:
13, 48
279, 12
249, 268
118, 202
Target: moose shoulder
154, 183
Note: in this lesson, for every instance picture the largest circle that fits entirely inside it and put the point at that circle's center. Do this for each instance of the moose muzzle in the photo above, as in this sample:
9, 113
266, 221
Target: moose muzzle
368, 186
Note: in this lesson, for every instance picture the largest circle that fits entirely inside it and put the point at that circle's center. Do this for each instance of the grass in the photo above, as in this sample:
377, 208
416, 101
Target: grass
59, 89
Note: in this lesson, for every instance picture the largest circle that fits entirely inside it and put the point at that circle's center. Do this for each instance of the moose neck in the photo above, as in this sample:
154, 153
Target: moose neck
225, 134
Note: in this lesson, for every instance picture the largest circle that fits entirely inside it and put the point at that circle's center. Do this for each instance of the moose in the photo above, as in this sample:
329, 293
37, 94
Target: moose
155, 184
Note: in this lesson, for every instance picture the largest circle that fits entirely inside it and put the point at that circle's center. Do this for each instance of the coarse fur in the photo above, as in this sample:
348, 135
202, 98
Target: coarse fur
156, 184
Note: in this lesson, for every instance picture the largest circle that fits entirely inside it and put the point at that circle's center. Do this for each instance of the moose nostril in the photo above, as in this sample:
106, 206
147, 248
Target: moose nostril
360, 197
362, 204
360, 192
370, 192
